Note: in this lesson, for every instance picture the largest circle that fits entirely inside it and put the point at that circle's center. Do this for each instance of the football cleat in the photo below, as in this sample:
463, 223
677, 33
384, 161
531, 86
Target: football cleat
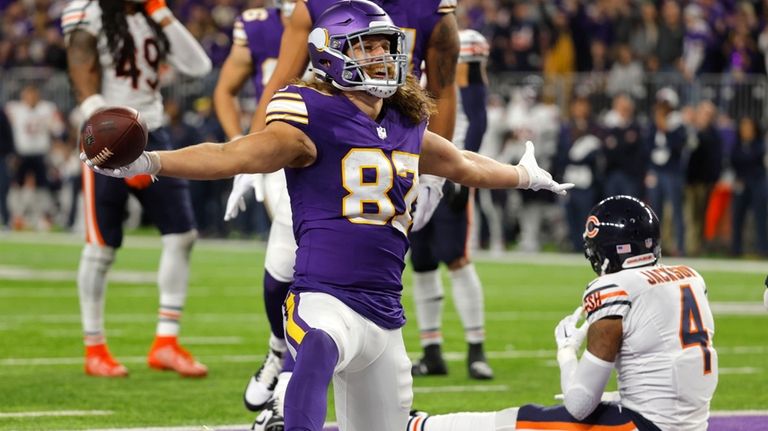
431, 364
424, 367
480, 370
270, 418
477, 365
262, 383
100, 363
170, 356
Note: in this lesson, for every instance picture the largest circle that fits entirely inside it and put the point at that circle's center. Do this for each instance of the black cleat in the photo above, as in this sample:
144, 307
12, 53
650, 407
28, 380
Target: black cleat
477, 365
432, 364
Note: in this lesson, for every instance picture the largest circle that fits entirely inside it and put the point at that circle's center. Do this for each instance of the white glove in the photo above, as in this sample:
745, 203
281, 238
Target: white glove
241, 186
535, 178
147, 163
429, 194
567, 334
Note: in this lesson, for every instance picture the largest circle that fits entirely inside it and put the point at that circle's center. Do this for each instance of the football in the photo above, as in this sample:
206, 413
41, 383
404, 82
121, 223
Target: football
113, 136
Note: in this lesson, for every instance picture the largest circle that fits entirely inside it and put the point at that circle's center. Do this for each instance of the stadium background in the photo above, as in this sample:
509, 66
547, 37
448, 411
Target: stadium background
543, 54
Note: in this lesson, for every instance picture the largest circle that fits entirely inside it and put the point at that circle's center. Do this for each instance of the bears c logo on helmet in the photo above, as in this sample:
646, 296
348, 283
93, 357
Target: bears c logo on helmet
591, 229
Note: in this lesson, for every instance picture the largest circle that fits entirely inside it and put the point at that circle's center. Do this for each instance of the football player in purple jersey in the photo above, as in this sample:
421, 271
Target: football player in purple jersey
432, 40
353, 144
256, 37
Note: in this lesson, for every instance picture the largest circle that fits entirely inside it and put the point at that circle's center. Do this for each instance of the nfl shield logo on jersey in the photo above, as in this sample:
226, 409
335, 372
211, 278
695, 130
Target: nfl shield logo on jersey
382, 132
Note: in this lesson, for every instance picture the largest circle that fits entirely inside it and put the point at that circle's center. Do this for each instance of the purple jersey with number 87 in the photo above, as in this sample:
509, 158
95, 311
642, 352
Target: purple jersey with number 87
351, 207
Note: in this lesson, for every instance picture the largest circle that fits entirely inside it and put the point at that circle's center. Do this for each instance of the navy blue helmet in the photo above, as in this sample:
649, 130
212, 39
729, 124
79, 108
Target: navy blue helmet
621, 232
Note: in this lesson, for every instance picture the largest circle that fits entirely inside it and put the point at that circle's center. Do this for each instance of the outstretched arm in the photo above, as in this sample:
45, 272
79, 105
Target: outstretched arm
291, 61
440, 157
277, 146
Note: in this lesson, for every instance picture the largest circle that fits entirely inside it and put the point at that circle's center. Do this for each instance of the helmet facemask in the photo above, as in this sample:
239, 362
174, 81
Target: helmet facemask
332, 60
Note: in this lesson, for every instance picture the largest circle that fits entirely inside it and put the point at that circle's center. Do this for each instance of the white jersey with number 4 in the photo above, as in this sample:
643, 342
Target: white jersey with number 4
667, 365
121, 83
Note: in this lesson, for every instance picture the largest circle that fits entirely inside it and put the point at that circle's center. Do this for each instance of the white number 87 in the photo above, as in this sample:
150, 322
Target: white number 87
373, 189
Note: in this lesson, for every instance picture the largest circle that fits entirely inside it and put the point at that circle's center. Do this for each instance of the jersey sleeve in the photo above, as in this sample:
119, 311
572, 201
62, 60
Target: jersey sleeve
239, 36
289, 106
81, 15
604, 299
446, 6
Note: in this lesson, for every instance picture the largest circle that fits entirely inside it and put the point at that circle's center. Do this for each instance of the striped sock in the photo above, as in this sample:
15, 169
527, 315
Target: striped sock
168, 321
91, 339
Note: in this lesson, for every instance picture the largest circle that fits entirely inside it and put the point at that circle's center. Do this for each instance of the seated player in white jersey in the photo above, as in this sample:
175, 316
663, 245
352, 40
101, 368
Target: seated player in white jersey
114, 51
256, 44
352, 145
651, 322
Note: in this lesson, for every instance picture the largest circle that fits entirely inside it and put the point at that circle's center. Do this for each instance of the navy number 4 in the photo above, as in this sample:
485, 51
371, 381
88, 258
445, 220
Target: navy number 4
692, 331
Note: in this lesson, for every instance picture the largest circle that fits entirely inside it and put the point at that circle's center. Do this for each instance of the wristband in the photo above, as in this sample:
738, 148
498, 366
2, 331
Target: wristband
523, 178
155, 165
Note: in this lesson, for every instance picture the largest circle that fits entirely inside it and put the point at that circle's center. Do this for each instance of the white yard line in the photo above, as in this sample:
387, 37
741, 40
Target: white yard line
19, 273
739, 370
449, 356
55, 413
720, 413
460, 389
248, 246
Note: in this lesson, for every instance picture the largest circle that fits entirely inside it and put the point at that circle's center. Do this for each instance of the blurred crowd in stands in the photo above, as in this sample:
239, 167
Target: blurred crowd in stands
664, 100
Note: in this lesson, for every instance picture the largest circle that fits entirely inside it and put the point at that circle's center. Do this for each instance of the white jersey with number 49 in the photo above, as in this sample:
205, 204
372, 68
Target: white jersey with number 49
667, 365
123, 82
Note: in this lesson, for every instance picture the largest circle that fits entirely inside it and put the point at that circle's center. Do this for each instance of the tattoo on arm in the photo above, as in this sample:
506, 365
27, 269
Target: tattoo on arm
83, 64
444, 42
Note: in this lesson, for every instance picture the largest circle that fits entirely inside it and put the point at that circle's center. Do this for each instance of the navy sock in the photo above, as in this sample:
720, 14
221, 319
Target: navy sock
307, 393
274, 296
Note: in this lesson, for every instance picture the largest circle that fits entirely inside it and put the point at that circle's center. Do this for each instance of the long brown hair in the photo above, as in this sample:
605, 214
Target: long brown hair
410, 99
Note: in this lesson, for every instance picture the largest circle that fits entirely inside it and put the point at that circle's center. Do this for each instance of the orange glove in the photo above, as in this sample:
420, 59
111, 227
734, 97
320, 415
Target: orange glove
157, 10
139, 182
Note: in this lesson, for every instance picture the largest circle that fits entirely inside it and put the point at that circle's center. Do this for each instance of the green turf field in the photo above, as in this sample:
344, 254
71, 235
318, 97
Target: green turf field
225, 327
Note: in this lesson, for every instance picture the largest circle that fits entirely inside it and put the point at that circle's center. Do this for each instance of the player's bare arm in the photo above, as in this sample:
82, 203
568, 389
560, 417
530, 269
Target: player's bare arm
234, 74
83, 65
604, 338
440, 157
291, 61
279, 145
441, 59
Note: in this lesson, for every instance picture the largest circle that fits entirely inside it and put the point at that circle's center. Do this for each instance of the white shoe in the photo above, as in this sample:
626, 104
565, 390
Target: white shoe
270, 418
262, 383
